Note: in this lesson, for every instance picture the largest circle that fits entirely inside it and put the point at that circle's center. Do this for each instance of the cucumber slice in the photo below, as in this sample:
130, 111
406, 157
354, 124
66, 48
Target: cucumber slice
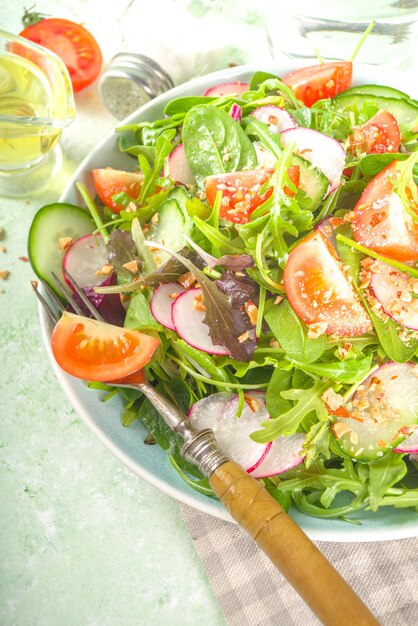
375, 90
405, 111
312, 181
172, 224
51, 223
384, 410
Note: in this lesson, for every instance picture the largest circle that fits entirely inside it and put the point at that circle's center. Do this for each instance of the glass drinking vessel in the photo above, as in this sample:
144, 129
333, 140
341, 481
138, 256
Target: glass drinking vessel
36, 103
334, 28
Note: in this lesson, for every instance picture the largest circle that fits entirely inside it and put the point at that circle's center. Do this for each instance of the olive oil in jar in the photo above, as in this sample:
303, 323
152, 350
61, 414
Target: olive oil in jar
27, 129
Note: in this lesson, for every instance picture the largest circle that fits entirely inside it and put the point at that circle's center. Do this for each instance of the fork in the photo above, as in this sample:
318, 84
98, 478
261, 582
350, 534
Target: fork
248, 502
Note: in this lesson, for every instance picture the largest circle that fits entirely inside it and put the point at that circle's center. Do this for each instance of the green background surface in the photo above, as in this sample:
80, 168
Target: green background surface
83, 541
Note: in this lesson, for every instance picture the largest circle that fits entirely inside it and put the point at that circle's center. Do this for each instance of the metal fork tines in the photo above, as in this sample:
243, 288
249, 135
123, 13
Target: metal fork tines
63, 289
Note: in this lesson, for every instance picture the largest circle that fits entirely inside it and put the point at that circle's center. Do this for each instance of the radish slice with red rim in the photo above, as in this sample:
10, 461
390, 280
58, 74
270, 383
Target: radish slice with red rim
395, 291
286, 452
382, 413
189, 324
276, 118
323, 152
218, 412
85, 259
178, 168
227, 88
409, 445
162, 302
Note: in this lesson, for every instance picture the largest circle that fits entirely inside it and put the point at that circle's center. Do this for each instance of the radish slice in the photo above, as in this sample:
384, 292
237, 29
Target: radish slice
162, 301
227, 88
395, 292
384, 411
189, 324
276, 118
323, 152
218, 412
236, 112
409, 445
84, 259
285, 453
178, 168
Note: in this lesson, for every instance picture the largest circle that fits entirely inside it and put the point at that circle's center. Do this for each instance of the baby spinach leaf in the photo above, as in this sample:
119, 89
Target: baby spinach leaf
215, 143
372, 164
280, 381
291, 334
258, 78
184, 104
139, 316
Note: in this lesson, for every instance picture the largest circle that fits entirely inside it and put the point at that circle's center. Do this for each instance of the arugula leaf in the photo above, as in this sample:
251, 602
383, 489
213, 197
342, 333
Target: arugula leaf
306, 400
317, 442
384, 473
215, 143
347, 371
291, 333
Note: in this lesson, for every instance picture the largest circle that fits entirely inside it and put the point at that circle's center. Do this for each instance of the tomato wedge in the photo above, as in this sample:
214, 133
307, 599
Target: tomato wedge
73, 44
240, 191
109, 182
316, 82
319, 291
93, 350
379, 135
381, 223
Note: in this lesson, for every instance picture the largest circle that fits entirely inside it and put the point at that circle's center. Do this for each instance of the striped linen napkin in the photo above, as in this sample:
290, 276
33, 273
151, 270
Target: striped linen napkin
251, 592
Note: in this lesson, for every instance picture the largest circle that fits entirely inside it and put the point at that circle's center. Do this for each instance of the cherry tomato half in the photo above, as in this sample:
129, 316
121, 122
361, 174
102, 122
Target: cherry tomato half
93, 350
240, 191
319, 291
73, 44
379, 135
316, 82
381, 223
109, 182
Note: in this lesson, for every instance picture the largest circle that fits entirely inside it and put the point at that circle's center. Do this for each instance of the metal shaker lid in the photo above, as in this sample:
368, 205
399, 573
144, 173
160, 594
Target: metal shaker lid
130, 81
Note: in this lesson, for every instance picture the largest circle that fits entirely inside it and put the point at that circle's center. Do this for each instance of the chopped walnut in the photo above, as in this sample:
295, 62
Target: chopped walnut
278, 299
198, 304
154, 219
344, 350
339, 429
332, 399
65, 242
106, 270
252, 311
131, 266
187, 280
4, 274
317, 329
131, 208
252, 403
275, 344
3, 249
243, 337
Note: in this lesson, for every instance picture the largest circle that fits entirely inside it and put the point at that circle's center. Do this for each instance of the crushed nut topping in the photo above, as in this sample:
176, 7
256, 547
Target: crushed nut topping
186, 280
243, 337
252, 403
65, 242
332, 399
252, 311
131, 266
339, 429
4, 274
106, 270
317, 329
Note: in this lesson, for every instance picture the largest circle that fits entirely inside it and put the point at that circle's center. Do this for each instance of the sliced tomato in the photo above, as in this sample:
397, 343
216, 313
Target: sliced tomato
380, 221
319, 291
380, 134
109, 182
77, 48
241, 191
317, 82
93, 350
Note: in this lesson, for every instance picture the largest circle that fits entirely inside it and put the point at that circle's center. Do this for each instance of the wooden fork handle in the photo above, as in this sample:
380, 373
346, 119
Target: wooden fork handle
287, 546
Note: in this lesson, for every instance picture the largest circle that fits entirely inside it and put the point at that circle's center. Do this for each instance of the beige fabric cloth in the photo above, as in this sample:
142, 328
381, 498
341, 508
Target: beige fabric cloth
252, 592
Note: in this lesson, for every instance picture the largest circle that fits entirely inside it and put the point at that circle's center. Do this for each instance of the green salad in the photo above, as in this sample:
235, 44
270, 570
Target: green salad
266, 239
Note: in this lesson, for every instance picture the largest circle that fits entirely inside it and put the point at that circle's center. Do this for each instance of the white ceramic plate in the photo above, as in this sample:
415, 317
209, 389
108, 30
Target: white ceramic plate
150, 462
